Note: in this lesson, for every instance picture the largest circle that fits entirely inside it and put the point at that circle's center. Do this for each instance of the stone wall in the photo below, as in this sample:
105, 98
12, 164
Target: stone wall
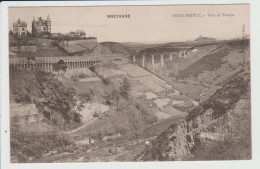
24, 49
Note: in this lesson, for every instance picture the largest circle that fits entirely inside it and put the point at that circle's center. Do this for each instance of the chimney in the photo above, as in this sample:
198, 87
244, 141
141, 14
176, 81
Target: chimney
48, 18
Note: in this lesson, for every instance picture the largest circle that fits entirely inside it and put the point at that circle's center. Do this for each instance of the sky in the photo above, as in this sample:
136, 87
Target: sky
146, 23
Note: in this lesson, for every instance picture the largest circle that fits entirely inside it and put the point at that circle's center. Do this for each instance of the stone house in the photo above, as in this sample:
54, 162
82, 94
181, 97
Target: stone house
20, 28
40, 25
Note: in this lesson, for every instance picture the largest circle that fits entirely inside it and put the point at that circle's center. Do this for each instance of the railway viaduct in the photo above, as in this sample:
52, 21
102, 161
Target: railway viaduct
46, 63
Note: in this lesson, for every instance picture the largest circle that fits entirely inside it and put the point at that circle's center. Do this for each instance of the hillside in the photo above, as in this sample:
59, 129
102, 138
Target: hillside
99, 50
204, 39
40, 106
225, 58
219, 129
108, 49
200, 78
135, 47
45, 91
207, 63
117, 48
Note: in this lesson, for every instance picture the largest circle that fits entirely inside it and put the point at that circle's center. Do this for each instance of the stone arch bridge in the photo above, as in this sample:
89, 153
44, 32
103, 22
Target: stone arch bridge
46, 63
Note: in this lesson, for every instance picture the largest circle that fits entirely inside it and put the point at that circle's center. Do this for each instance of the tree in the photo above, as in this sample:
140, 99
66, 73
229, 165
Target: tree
30, 58
60, 66
61, 101
11, 32
77, 116
27, 117
125, 88
113, 97
135, 124
58, 98
87, 96
147, 116
51, 97
28, 34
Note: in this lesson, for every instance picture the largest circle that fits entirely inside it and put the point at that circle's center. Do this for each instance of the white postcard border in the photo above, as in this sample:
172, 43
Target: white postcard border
255, 83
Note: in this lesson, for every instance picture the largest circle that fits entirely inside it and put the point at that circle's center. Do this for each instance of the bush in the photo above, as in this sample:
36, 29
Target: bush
60, 66
54, 43
23, 98
95, 114
74, 78
172, 74
147, 117
125, 88
92, 68
106, 81
88, 96
36, 145
112, 97
77, 117
82, 75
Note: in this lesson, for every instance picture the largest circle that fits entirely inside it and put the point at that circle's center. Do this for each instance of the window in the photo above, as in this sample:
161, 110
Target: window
15, 29
22, 29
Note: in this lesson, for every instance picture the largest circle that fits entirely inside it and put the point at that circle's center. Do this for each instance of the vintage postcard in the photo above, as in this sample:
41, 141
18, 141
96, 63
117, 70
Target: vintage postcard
129, 83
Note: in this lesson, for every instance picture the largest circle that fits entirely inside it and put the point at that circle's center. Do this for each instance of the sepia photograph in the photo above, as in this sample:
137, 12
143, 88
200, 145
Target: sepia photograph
129, 83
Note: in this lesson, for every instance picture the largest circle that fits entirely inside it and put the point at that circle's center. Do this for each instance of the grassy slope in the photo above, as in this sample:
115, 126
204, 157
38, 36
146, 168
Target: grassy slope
109, 48
207, 63
117, 48
203, 77
215, 59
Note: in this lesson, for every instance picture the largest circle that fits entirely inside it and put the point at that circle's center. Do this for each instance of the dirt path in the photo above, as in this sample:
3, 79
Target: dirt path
81, 127
203, 91
85, 125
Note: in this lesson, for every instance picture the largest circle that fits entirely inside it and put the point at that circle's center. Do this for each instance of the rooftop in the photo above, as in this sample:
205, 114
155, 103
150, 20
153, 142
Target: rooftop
20, 23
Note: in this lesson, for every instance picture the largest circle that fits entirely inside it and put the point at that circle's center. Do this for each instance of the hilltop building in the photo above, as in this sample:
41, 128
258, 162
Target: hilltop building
20, 28
79, 34
202, 39
40, 25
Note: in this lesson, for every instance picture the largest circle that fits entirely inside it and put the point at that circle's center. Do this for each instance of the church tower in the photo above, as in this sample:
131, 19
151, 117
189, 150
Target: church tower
48, 23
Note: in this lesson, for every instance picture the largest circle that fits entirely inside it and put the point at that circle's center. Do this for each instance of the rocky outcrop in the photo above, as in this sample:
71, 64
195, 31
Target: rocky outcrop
218, 119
